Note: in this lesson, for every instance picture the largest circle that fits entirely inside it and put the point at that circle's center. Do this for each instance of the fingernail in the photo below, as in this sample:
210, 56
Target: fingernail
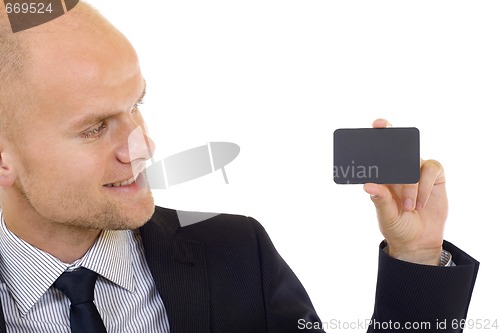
373, 196
408, 204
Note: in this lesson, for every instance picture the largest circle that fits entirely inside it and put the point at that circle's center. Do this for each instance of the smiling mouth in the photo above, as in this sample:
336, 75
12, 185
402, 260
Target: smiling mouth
122, 183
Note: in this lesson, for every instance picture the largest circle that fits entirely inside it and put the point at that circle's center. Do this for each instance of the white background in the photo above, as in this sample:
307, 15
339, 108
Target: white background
278, 77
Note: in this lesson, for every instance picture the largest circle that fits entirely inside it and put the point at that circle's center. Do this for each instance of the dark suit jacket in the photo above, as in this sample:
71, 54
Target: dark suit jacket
224, 275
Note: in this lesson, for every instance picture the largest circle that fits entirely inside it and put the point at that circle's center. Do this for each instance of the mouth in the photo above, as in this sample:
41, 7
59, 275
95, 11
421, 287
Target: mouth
127, 182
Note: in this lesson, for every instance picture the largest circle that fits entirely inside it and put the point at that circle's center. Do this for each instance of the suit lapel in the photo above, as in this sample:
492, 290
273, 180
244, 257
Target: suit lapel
178, 268
3, 328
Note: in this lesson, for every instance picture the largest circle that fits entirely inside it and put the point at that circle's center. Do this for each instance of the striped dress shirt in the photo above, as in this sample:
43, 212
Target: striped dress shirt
125, 293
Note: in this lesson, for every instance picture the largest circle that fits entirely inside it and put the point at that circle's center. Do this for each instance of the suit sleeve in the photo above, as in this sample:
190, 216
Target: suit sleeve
417, 298
409, 297
288, 306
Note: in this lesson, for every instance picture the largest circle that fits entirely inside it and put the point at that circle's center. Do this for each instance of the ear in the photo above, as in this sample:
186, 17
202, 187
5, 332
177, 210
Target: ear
7, 174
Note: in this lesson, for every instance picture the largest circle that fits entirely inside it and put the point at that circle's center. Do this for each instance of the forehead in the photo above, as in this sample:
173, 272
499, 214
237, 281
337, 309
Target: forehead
76, 69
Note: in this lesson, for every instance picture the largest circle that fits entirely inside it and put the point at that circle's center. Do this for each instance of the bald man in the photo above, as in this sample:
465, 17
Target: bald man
74, 199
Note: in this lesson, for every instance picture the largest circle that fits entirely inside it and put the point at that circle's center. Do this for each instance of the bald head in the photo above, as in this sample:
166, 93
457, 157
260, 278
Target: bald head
20, 56
14, 60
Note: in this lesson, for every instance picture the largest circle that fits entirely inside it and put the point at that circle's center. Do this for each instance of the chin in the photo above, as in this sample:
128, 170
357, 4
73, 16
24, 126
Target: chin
119, 217
137, 216
141, 220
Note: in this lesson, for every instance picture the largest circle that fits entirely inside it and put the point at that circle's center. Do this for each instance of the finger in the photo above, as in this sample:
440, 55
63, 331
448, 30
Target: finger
431, 174
386, 207
409, 197
381, 123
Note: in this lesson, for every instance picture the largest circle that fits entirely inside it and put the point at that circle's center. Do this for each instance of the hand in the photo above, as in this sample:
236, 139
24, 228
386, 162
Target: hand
411, 216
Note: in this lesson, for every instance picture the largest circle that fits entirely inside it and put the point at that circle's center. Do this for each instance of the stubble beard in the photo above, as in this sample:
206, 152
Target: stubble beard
81, 211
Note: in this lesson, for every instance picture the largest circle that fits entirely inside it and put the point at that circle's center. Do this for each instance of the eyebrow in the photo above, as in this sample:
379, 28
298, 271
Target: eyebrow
94, 118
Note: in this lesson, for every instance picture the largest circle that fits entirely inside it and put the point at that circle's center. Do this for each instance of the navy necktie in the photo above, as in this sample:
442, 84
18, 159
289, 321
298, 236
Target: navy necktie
78, 286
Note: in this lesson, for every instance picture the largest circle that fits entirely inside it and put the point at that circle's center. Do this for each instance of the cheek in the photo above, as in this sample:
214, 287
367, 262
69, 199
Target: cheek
67, 161
66, 167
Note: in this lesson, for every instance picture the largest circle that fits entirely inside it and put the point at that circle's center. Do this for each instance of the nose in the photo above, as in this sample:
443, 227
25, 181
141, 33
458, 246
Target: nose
140, 147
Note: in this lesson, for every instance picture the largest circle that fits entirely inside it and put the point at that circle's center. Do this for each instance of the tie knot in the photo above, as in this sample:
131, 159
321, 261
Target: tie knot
77, 285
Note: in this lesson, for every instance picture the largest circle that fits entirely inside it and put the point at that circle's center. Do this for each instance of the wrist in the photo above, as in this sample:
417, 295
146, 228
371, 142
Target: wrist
430, 256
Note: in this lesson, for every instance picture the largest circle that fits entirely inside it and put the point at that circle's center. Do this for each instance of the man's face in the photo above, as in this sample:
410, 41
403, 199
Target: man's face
75, 156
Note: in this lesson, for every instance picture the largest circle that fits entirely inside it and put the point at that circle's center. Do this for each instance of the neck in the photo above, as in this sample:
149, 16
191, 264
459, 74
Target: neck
67, 243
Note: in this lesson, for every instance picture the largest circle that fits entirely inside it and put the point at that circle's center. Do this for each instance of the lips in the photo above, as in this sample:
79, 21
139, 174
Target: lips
122, 183
137, 178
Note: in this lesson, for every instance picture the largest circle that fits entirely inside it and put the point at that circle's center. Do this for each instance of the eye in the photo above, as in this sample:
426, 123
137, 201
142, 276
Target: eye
95, 132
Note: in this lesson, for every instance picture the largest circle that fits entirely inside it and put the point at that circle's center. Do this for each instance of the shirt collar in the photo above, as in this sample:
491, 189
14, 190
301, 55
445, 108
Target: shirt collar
111, 258
29, 272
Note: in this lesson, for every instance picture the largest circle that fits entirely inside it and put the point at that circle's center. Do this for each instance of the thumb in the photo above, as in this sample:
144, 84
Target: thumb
387, 209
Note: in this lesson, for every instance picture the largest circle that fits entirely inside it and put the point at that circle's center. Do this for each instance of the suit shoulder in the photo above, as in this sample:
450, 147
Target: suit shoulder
205, 225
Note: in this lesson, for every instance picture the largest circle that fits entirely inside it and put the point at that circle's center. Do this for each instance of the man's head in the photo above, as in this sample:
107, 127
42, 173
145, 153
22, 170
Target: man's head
68, 105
